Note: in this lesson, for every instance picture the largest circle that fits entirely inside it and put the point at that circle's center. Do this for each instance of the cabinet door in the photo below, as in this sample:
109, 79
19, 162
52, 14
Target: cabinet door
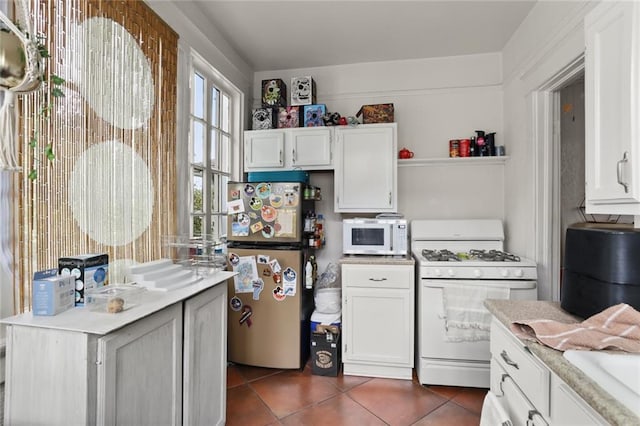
205, 357
568, 408
377, 326
366, 168
264, 149
311, 148
612, 93
140, 372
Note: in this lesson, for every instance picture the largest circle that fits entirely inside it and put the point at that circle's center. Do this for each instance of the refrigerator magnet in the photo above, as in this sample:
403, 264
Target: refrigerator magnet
290, 198
257, 227
234, 259
239, 230
290, 281
276, 200
278, 294
262, 258
258, 285
269, 213
255, 203
267, 231
243, 219
263, 190
249, 190
235, 304
234, 194
277, 277
275, 265
235, 206
245, 317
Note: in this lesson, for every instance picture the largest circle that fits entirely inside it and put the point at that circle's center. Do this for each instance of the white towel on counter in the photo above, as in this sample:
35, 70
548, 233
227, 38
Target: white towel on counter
493, 413
465, 317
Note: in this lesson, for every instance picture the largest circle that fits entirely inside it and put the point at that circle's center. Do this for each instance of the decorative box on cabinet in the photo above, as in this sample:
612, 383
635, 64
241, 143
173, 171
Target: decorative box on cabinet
147, 365
377, 319
612, 105
288, 149
366, 171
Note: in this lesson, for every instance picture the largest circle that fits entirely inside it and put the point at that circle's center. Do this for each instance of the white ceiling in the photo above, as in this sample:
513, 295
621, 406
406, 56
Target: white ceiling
274, 35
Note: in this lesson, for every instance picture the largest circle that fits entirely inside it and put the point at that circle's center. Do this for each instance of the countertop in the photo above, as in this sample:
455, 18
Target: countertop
82, 319
507, 311
362, 259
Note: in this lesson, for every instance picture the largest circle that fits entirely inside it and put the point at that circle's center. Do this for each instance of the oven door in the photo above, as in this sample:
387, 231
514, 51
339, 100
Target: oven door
432, 318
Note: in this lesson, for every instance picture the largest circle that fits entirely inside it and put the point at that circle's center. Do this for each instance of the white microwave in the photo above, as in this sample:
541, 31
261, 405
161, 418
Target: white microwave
375, 236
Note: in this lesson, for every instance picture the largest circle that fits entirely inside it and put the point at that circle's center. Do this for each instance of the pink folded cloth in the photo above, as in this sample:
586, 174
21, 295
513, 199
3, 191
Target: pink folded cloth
617, 327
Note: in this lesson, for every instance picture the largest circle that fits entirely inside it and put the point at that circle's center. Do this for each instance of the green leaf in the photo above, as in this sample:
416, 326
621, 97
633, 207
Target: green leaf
33, 175
57, 80
57, 93
48, 151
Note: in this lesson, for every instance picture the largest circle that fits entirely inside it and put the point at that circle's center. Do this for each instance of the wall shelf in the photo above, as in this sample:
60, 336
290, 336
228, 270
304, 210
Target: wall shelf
459, 161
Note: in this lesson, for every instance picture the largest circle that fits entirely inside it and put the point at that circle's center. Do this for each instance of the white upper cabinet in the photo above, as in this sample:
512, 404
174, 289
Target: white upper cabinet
303, 148
612, 94
365, 178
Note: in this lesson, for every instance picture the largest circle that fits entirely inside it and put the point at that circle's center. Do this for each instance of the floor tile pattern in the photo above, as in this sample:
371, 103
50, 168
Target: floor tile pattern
263, 396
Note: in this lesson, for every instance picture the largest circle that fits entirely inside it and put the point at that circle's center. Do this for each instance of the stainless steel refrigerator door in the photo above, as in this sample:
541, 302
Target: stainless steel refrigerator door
267, 328
266, 212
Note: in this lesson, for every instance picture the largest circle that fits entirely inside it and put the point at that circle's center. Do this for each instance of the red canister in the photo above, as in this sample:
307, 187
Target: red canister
465, 145
454, 148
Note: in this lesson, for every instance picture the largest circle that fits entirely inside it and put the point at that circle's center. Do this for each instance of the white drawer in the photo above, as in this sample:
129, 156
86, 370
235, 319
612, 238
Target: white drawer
526, 371
378, 276
521, 411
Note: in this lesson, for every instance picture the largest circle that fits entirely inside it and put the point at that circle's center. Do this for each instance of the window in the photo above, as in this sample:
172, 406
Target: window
212, 131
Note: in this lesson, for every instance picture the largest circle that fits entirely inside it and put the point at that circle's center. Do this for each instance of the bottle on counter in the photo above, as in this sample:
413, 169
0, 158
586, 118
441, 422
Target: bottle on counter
473, 150
480, 144
308, 274
319, 234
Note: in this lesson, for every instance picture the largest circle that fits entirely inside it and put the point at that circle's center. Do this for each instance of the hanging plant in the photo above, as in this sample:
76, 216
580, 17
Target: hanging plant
43, 114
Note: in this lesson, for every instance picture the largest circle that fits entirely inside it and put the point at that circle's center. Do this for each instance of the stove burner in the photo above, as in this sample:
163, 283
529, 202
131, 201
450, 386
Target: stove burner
440, 255
494, 256
487, 256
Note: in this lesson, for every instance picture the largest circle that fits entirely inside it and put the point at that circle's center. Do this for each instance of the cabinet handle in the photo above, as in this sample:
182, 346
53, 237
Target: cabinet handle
625, 159
280, 157
389, 198
377, 279
531, 415
508, 360
294, 156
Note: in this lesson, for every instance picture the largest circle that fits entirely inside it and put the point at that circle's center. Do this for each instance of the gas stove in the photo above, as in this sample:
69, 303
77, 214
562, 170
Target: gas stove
473, 254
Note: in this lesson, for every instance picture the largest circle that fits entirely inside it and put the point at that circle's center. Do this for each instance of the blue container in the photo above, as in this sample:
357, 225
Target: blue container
288, 176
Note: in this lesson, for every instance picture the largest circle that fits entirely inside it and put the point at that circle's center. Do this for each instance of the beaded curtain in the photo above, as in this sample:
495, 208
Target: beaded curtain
111, 187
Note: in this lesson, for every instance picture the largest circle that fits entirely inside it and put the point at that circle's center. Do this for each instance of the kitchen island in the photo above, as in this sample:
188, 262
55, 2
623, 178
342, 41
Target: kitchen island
508, 311
162, 361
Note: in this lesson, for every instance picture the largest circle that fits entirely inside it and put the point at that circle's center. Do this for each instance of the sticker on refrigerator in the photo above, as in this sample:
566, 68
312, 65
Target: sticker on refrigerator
245, 317
290, 198
276, 200
263, 190
243, 219
263, 259
234, 194
275, 265
290, 281
258, 286
285, 225
267, 231
256, 227
239, 230
235, 304
247, 270
234, 259
249, 190
278, 294
269, 213
235, 206
255, 203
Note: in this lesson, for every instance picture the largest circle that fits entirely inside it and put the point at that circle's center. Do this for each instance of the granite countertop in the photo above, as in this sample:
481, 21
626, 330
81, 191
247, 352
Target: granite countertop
507, 311
362, 259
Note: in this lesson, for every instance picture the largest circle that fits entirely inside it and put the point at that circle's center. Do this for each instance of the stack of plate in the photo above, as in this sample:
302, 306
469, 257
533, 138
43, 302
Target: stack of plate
162, 275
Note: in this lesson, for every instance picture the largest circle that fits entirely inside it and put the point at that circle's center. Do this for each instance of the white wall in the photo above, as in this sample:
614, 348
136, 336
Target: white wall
435, 100
549, 39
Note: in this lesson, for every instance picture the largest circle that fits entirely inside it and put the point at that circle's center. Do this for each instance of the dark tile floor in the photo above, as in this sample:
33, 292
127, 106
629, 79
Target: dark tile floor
262, 396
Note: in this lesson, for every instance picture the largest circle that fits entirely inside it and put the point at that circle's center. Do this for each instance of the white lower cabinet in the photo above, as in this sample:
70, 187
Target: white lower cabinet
166, 368
378, 320
530, 392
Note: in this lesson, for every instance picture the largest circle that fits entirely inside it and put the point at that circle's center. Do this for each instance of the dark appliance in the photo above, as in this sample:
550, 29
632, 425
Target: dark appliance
601, 268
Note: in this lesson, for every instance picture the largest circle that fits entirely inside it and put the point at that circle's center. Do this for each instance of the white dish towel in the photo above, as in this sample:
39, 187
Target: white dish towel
493, 414
465, 317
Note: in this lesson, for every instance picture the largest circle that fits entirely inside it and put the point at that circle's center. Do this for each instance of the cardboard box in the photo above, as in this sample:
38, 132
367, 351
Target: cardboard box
303, 90
313, 115
274, 93
326, 353
88, 270
52, 293
378, 113
289, 117
264, 118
